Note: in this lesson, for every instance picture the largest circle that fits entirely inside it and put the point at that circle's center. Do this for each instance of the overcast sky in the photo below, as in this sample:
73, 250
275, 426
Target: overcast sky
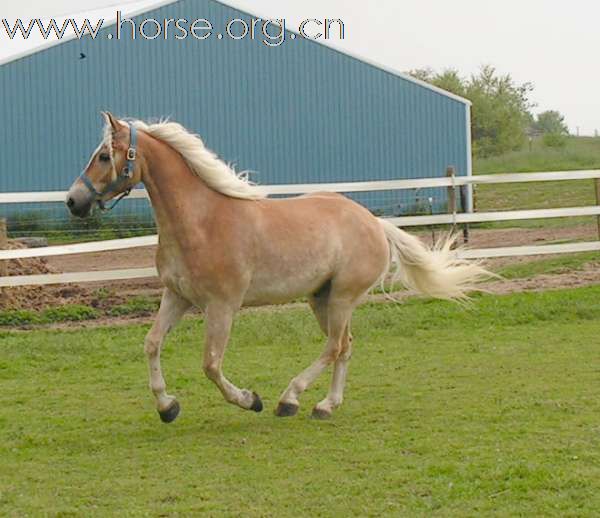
552, 43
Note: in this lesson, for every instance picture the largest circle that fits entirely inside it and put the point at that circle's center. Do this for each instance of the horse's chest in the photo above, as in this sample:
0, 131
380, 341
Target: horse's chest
174, 275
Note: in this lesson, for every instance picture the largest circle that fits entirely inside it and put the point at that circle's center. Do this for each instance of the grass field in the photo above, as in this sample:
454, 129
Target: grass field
494, 411
580, 153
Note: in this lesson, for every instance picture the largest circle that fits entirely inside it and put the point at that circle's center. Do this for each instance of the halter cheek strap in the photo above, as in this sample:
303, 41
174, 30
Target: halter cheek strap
125, 175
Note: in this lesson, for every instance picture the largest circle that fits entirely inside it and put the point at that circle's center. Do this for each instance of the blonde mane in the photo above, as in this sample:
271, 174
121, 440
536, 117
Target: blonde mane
202, 161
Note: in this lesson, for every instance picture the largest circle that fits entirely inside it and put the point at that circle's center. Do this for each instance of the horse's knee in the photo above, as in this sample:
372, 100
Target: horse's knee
332, 353
346, 351
346, 354
151, 346
211, 369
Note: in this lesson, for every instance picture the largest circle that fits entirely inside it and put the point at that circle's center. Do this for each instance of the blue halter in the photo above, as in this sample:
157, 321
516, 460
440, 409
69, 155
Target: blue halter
125, 175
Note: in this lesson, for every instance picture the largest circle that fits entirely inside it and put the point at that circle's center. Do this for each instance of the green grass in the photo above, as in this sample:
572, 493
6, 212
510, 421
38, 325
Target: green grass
65, 313
488, 412
549, 266
580, 153
136, 307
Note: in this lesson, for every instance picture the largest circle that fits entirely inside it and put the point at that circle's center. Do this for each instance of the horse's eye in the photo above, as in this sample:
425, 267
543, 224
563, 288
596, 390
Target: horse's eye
104, 157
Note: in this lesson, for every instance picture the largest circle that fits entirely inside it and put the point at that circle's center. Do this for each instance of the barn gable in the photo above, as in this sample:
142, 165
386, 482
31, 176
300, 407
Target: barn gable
300, 112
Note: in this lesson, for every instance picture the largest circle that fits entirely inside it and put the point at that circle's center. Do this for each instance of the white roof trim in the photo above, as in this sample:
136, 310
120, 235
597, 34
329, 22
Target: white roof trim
235, 5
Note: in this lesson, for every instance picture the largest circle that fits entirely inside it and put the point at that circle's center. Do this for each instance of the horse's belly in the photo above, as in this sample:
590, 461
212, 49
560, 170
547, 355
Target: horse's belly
270, 289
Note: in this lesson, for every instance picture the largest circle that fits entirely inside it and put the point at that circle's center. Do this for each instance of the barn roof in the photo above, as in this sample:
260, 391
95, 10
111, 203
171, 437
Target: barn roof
236, 5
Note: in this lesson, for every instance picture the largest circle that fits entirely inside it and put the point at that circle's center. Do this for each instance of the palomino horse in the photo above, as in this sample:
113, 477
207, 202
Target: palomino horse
223, 245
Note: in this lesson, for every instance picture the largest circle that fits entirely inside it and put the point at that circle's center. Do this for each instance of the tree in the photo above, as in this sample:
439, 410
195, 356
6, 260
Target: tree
554, 140
423, 74
451, 81
448, 80
551, 122
500, 111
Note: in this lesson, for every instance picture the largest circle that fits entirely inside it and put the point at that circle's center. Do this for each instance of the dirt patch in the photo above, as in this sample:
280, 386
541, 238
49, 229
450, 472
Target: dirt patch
105, 295
495, 238
144, 257
32, 297
98, 295
588, 276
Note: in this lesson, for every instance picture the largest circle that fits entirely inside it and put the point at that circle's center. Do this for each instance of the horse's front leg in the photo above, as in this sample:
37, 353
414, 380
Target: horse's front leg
172, 308
219, 318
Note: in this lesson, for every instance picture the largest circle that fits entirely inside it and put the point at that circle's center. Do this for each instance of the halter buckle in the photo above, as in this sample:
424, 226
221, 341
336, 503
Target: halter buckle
131, 154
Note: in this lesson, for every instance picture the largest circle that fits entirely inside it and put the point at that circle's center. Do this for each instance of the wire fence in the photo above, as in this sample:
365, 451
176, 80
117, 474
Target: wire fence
453, 216
52, 220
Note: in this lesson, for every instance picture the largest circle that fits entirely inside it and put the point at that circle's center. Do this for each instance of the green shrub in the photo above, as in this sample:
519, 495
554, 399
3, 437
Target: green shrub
18, 317
554, 140
70, 313
141, 306
138, 306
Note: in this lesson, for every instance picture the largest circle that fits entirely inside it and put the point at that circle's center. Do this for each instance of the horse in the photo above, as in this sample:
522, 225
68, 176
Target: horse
224, 245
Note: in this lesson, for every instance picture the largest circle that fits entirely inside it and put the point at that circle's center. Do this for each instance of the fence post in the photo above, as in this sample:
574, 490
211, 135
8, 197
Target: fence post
597, 185
451, 173
3, 246
463, 203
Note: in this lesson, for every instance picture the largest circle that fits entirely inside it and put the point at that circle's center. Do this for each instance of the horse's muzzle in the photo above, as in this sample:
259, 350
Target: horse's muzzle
79, 209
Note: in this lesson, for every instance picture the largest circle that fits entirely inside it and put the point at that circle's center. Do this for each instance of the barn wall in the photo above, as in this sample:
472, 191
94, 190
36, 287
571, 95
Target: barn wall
300, 112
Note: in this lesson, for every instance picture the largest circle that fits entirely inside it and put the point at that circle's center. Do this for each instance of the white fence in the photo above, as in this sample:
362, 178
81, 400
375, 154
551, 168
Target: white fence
449, 182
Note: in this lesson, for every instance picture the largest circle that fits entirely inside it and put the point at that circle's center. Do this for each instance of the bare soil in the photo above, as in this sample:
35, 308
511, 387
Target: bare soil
107, 294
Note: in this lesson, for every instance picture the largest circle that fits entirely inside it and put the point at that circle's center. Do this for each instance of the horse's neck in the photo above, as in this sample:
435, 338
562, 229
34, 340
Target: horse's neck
177, 195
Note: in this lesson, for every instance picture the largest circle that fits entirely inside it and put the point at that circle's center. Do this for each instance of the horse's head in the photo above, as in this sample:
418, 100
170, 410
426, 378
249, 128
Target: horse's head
111, 171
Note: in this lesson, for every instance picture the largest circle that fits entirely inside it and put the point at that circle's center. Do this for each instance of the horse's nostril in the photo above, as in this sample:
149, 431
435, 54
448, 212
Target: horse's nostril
70, 202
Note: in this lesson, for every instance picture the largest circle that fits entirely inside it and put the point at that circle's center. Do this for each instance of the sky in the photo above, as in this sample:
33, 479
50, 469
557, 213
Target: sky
553, 44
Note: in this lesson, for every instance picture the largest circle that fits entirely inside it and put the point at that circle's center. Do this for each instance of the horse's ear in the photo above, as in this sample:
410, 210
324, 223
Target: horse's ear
112, 120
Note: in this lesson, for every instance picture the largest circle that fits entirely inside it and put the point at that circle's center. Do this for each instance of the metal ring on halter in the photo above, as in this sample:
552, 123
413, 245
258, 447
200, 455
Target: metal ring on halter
125, 175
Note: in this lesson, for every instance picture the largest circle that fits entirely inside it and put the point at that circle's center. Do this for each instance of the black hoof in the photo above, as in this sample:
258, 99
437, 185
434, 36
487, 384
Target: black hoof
286, 410
170, 414
257, 405
320, 414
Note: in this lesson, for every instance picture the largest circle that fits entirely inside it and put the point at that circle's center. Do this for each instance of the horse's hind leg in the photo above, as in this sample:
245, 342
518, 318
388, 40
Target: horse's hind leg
318, 304
325, 408
338, 317
219, 318
172, 308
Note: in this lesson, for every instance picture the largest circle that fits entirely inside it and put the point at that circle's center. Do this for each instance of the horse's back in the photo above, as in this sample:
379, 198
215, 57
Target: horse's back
325, 212
322, 194
308, 240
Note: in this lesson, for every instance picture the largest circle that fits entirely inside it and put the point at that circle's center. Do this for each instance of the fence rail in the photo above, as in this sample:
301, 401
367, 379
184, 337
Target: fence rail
452, 182
347, 187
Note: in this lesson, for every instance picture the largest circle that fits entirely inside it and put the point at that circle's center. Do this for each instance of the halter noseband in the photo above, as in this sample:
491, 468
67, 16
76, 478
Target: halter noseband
125, 175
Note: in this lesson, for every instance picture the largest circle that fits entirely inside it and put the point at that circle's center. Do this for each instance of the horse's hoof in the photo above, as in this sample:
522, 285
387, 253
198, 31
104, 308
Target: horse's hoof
319, 413
257, 405
170, 414
286, 410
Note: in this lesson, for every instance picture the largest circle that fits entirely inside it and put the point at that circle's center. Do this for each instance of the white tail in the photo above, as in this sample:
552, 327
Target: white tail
435, 272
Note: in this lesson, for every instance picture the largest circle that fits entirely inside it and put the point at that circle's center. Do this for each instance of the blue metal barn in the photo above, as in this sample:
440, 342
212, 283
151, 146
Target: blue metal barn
300, 112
